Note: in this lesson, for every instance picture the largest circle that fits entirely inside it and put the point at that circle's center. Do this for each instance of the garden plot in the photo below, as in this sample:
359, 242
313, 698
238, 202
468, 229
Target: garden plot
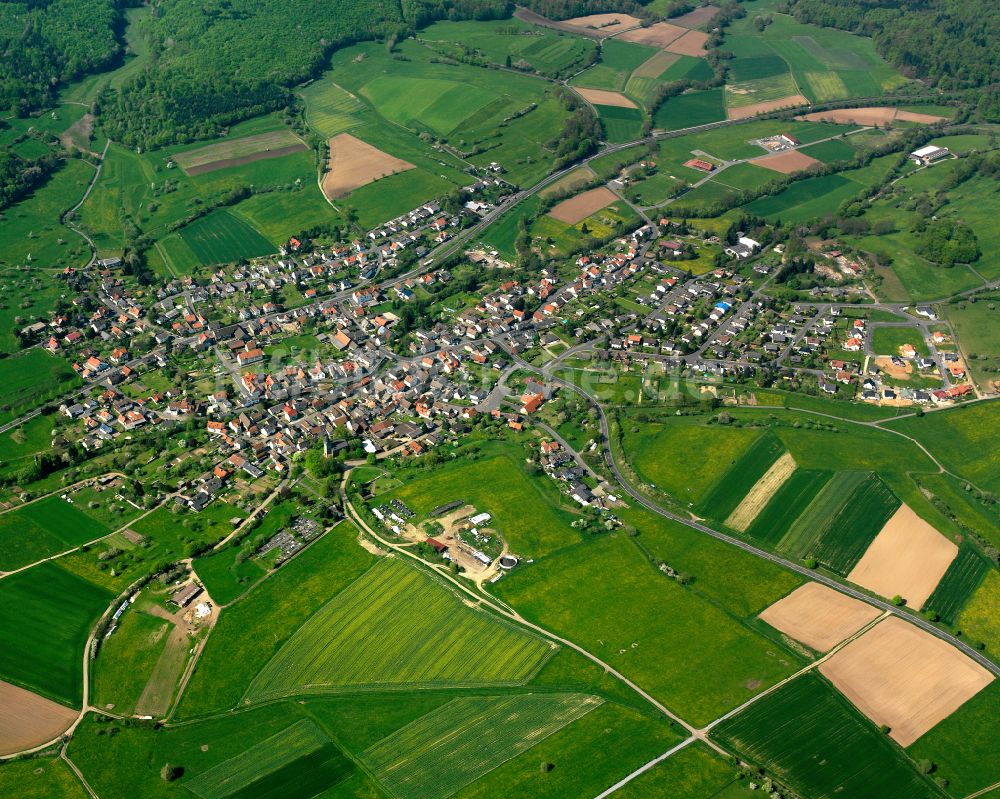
659, 35
28, 720
787, 162
603, 97
578, 208
818, 616
908, 557
758, 496
905, 678
354, 163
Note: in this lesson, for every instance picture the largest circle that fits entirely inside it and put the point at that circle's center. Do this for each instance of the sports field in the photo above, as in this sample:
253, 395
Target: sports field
397, 627
42, 529
441, 752
811, 739
45, 617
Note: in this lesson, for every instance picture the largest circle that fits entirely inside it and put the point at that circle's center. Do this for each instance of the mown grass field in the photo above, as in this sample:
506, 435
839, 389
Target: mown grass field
820, 196
690, 109
831, 151
588, 755
842, 520
222, 237
741, 477
620, 124
252, 630
964, 576
813, 740
139, 753
525, 509
449, 748
18, 447
963, 746
31, 378
40, 778
980, 619
45, 617
552, 53
32, 233
42, 529
961, 438
686, 651
330, 110
696, 772
422, 636
296, 762
659, 452
126, 660
888, 340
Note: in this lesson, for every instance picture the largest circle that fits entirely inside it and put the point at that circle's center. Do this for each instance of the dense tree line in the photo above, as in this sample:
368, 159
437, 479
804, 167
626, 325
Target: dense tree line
951, 43
567, 9
45, 43
18, 176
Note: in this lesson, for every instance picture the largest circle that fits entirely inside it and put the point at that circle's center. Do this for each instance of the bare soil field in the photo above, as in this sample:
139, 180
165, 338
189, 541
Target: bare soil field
28, 720
745, 111
876, 115
212, 166
354, 163
818, 616
691, 43
757, 497
900, 676
908, 557
236, 148
786, 162
903, 372
659, 35
656, 65
602, 25
578, 208
604, 97
697, 18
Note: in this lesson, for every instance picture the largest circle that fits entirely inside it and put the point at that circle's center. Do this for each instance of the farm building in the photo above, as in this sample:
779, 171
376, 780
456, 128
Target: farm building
699, 163
183, 597
929, 154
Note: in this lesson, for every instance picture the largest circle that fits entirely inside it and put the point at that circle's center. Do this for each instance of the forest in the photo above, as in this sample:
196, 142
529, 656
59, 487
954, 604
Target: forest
18, 176
220, 61
950, 43
45, 43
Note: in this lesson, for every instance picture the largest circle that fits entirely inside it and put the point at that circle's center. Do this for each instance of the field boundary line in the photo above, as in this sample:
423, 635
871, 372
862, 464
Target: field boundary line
646, 767
983, 791
517, 618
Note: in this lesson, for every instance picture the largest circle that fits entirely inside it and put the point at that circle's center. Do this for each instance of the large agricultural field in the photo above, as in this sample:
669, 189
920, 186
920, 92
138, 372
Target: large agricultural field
400, 608
816, 742
42, 529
